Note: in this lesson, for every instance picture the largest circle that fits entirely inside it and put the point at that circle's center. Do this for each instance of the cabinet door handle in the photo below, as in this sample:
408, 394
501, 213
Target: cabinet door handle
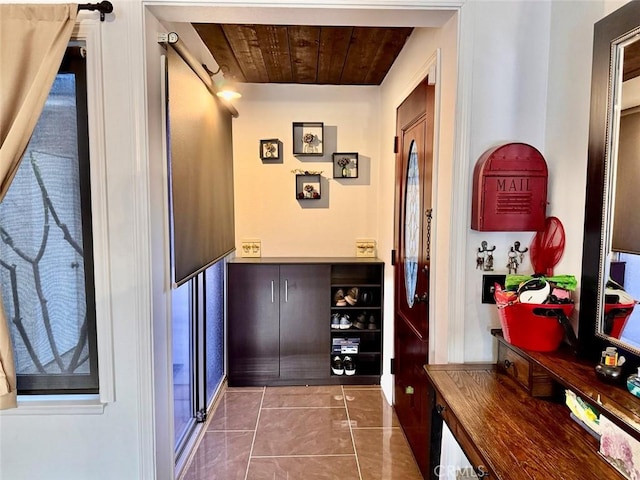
272, 292
440, 409
507, 363
286, 291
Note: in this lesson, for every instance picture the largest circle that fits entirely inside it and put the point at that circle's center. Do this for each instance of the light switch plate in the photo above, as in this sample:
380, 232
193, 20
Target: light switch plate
365, 248
250, 248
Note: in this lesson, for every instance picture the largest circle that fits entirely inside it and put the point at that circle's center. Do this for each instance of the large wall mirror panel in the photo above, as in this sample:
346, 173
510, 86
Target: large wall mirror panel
611, 253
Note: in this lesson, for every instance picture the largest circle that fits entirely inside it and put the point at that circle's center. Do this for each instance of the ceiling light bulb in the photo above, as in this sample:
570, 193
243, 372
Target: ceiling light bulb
228, 94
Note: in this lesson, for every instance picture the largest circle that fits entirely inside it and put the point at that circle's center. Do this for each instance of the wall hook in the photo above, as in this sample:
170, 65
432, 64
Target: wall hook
516, 247
484, 257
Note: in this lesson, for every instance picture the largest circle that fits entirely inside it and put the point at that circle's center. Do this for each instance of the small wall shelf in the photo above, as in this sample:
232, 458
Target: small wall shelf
270, 150
345, 165
308, 186
308, 138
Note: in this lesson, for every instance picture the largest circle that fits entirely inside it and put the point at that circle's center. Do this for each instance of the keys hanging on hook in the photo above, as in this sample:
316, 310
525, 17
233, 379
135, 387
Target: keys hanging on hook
512, 263
516, 248
484, 257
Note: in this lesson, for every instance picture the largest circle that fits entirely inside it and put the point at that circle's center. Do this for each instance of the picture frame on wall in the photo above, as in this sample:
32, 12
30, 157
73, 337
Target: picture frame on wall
270, 149
345, 165
308, 138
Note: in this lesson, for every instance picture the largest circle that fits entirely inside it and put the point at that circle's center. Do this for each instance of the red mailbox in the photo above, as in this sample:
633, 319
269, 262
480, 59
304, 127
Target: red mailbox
509, 190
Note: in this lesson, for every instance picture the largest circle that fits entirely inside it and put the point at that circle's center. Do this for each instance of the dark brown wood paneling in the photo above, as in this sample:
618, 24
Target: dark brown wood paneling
244, 43
304, 44
215, 40
338, 55
386, 53
631, 68
274, 44
362, 52
334, 45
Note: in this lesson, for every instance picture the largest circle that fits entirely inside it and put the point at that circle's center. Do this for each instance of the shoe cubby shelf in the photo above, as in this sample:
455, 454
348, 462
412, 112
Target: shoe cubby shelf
280, 312
356, 303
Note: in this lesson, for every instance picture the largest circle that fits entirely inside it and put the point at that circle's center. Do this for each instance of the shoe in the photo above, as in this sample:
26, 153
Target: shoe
335, 321
352, 296
360, 321
372, 325
349, 366
339, 299
366, 297
336, 366
345, 323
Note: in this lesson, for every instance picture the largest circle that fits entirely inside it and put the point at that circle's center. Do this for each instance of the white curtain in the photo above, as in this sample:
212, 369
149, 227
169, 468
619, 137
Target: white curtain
33, 39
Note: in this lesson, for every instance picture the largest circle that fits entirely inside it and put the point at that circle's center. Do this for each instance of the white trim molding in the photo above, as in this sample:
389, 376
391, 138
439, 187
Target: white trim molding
460, 191
88, 31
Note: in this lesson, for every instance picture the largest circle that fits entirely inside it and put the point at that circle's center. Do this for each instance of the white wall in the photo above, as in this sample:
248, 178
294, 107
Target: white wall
568, 124
265, 203
543, 99
508, 104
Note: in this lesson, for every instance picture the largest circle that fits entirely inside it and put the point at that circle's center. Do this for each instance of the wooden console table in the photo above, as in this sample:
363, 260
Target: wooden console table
505, 432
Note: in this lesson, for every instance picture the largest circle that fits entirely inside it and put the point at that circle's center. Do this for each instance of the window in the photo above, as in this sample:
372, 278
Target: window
198, 349
46, 251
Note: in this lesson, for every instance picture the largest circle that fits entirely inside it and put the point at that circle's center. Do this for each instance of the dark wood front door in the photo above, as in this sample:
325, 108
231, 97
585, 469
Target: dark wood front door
414, 160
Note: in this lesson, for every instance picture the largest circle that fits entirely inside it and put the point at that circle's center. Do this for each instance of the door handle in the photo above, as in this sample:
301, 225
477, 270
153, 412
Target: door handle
286, 291
421, 298
272, 292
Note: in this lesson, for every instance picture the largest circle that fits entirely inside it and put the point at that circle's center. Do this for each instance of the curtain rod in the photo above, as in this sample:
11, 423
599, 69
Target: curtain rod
103, 7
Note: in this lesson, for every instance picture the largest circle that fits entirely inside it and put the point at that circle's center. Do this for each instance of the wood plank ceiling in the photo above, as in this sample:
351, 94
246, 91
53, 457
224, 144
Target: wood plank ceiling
631, 67
304, 54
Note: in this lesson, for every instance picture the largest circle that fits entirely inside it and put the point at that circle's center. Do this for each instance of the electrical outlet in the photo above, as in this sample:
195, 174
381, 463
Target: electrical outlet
488, 286
250, 248
365, 248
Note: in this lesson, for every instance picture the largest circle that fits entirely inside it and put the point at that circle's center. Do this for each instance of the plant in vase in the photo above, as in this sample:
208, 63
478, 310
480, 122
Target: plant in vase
308, 189
343, 162
308, 140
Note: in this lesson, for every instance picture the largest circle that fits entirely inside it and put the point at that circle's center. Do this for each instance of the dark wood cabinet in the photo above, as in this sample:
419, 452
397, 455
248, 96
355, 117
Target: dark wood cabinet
303, 322
280, 315
253, 327
277, 323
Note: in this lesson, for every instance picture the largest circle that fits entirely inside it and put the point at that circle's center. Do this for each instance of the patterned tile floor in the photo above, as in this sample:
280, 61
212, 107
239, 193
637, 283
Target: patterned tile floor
303, 433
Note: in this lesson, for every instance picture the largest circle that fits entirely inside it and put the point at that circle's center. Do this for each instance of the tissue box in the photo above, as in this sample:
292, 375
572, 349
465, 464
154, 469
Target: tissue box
619, 448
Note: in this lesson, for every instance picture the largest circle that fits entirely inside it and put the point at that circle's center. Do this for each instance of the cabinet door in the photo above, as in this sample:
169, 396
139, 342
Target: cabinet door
305, 320
253, 318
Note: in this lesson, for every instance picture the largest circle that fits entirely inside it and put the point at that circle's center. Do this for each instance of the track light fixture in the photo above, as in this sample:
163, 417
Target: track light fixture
226, 87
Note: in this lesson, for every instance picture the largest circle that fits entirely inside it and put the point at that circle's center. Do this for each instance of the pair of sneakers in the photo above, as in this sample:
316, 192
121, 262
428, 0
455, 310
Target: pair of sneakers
340, 321
343, 366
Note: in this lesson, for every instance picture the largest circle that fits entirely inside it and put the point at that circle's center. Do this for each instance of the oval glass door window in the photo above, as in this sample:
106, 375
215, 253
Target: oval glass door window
411, 225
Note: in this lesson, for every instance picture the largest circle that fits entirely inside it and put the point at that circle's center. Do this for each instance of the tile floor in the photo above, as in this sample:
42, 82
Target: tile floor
303, 433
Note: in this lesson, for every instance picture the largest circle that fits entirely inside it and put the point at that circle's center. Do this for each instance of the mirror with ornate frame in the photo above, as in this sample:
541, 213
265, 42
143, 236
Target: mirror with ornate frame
611, 250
